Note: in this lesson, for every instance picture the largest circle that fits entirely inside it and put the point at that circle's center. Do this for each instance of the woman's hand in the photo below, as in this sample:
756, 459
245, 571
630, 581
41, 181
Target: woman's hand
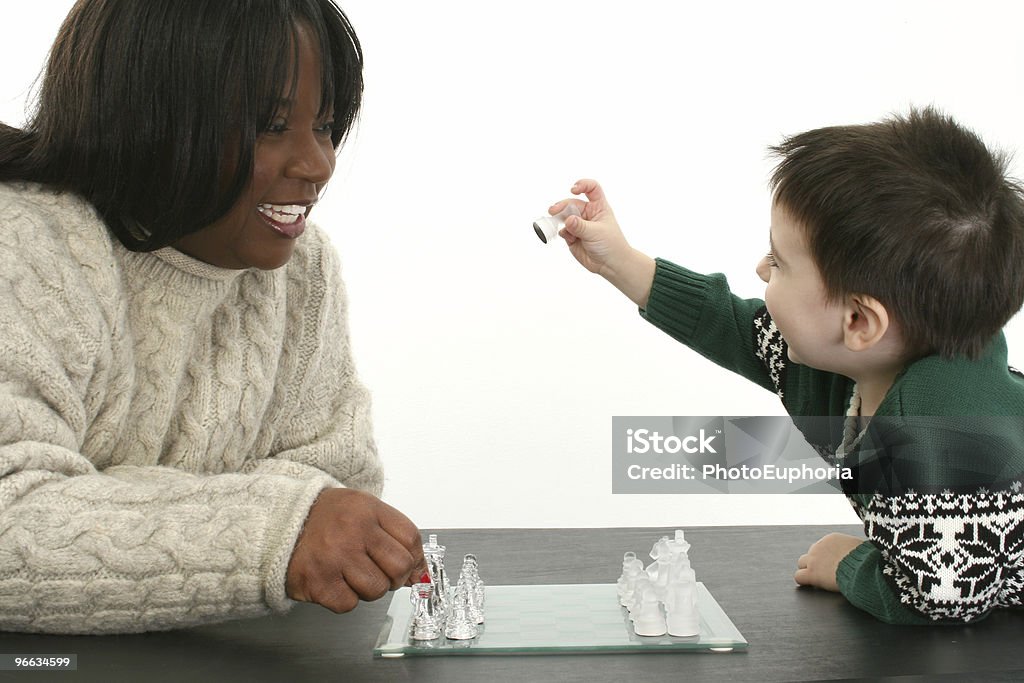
353, 547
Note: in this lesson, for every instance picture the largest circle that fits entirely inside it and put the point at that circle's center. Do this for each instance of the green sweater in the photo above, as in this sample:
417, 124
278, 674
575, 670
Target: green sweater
941, 498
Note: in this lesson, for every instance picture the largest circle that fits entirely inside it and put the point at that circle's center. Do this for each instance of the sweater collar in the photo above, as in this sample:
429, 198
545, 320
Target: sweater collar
950, 375
191, 266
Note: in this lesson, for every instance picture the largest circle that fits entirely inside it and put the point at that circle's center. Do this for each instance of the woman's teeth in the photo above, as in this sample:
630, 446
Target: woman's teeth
282, 213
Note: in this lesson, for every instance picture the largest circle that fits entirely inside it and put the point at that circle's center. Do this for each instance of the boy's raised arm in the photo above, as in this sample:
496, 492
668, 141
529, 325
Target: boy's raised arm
697, 310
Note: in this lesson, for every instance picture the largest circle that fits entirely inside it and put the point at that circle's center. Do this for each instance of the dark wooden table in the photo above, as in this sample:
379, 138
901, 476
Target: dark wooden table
794, 634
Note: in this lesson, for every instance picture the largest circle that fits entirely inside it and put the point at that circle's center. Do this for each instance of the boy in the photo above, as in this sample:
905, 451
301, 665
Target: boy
897, 255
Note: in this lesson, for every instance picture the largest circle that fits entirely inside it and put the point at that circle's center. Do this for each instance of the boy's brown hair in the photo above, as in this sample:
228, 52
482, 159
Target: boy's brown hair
917, 212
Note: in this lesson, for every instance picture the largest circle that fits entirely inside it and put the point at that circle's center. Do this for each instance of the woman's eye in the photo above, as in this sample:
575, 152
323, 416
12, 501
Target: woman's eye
327, 128
277, 127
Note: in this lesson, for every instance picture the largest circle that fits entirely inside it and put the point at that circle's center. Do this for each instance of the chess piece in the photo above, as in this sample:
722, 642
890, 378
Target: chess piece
426, 622
679, 544
661, 575
661, 548
681, 605
669, 583
434, 555
643, 585
548, 226
627, 583
627, 562
460, 626
661, 553
472, 587
649, 620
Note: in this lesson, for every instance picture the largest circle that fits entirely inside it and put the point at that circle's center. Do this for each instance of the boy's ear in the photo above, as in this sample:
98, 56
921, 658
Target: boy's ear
865, 322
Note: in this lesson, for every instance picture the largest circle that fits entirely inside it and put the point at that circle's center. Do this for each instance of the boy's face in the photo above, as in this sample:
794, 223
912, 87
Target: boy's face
795, 296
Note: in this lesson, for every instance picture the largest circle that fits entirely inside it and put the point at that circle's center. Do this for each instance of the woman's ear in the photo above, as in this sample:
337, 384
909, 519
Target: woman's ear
865, 322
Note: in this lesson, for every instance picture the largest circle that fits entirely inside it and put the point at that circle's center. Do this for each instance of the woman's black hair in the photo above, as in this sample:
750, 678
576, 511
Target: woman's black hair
151, 110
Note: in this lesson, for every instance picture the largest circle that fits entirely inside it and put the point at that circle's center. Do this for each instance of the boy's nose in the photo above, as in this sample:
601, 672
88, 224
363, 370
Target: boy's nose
764, 271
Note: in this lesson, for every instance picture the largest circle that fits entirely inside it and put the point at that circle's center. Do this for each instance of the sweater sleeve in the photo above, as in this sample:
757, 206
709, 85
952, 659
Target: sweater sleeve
941, 503
861, 579
126, 548
329, 427
739, 335
701, 312
947, 558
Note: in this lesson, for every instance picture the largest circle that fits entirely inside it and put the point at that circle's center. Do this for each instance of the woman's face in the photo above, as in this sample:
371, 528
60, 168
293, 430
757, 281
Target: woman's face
292, 161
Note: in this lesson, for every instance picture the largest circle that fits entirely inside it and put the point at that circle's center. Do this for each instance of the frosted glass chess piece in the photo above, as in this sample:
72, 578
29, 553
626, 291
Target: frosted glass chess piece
426, 622
662, 573
661, 549
679, 544
660, 553
681, 605
434, 555
642, 586
649, 620
627, 584
459, 625
548, 226
627, 561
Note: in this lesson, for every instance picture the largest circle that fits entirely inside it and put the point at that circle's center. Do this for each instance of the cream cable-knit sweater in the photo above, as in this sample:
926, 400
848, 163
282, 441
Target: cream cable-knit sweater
165, 425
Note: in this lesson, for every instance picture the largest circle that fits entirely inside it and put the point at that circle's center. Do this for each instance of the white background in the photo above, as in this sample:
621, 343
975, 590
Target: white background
496, 362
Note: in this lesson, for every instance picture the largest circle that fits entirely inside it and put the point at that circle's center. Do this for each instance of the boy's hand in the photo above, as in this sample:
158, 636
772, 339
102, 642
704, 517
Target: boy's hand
597, 242
818, 567
594, 238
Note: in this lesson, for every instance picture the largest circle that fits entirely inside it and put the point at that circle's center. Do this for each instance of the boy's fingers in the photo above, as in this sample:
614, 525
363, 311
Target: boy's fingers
558, 207
576, 226
589, 187
802, 577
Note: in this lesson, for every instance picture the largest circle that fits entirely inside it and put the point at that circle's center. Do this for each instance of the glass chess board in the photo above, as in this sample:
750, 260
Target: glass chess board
556, 619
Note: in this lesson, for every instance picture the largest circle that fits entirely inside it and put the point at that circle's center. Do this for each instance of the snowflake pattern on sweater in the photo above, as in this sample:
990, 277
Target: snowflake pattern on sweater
952, 557
770, 348
949, 556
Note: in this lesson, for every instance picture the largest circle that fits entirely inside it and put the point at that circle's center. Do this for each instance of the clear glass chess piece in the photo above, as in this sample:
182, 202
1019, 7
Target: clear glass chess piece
434, 555
426, 622
472, 587
460, 626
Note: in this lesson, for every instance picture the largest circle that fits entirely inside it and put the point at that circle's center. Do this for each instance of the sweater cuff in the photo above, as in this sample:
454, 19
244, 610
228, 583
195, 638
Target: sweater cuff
676, 300
283, 531
846, 572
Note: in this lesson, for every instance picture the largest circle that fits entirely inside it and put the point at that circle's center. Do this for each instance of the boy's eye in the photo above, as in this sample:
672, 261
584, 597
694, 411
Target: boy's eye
771, 260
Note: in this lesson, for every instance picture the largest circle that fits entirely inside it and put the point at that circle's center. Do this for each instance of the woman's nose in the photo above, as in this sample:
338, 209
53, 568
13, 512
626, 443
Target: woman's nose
311, 160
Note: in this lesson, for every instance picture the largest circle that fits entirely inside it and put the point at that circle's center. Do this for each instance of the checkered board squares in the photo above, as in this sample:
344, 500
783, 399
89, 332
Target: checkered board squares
556, 619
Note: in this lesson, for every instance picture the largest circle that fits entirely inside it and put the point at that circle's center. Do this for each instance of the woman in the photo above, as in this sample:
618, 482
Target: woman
179, 412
